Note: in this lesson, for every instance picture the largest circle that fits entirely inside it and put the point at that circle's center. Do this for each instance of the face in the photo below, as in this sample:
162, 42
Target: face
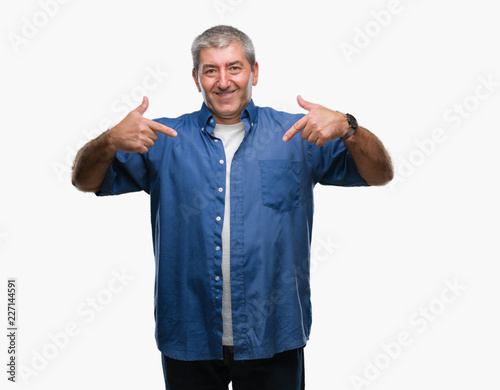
225, 79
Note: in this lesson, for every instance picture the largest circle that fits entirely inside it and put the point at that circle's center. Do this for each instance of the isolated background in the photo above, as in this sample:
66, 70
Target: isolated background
380, 255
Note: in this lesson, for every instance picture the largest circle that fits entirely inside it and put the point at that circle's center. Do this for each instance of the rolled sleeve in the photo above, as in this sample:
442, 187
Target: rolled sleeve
332, 164
127, 173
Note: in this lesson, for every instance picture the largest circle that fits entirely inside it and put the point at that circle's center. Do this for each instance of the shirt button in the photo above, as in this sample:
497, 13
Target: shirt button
221, 161
202, 129
211, 121
217, 248
221, 189
216, 140
217, 278
218, 218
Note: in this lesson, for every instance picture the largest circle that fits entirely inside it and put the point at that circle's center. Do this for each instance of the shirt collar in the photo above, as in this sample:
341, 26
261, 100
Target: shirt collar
249, 113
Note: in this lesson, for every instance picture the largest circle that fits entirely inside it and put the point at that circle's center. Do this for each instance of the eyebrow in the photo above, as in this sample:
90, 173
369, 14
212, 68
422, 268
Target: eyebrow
232, 63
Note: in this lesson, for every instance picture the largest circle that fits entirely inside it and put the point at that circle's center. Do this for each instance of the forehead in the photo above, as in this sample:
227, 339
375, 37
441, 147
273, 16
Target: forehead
221, 56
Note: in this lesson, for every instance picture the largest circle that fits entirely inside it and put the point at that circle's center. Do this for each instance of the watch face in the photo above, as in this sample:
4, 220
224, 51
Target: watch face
352, 121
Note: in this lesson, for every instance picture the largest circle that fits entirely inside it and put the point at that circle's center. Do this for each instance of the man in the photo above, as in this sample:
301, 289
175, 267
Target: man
231, 191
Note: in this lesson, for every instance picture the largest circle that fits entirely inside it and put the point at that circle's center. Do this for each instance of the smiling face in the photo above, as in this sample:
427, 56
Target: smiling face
225, 79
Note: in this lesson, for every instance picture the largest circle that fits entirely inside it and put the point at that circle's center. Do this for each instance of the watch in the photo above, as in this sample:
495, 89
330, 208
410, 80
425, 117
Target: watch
353, 126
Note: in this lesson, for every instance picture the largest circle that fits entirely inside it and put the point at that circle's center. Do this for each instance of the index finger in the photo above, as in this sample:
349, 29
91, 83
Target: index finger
297, 127
159, 128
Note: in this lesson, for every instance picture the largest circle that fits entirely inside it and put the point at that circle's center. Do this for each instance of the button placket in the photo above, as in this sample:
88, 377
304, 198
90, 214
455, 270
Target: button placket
220, 181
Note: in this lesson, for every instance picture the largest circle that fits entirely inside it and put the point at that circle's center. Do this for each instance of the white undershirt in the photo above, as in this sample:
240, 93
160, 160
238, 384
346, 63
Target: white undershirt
231, 137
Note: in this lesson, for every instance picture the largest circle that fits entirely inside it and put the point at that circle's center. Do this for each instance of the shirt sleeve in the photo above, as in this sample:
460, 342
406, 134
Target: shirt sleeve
332, 164
128, 173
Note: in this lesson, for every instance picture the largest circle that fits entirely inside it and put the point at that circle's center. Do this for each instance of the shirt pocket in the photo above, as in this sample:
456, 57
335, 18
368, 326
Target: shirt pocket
280, 180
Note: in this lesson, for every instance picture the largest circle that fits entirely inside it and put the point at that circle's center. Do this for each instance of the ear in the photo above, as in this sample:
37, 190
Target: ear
196, 81
255, 74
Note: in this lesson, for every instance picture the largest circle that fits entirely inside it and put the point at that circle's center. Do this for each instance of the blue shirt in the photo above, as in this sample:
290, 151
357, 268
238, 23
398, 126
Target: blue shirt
271, 221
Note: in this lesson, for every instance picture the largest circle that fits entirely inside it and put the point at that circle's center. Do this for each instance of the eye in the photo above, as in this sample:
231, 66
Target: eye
210, 72
234, 69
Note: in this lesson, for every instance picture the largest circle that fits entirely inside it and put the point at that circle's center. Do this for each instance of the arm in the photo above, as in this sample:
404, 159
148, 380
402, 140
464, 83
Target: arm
321, 125
134, 134
370, 156
92, 162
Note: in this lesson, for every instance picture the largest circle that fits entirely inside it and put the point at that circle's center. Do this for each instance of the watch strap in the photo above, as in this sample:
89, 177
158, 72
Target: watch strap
353, 126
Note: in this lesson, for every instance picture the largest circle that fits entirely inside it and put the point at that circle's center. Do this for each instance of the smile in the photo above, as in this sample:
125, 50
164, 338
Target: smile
224, 94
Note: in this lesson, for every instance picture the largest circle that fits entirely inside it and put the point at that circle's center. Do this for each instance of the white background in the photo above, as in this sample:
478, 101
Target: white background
380, 255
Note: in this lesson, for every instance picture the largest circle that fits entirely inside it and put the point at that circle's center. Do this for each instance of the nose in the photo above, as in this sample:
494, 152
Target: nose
224, 80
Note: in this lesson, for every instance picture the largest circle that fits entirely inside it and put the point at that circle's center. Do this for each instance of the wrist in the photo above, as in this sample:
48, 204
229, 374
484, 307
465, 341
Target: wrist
108, 145
352, 125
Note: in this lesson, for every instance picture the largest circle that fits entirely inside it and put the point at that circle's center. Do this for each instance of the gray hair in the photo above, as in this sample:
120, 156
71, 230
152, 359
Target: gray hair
222, 36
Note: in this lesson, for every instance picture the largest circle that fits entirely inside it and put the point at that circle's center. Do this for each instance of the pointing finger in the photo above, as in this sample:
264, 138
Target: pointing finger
159, 128
297, 126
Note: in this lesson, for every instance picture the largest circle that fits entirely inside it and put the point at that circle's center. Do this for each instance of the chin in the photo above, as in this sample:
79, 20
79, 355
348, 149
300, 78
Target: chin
227, 111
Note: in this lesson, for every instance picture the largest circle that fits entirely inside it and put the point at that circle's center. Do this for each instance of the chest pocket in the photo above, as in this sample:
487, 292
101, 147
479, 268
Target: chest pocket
280, 181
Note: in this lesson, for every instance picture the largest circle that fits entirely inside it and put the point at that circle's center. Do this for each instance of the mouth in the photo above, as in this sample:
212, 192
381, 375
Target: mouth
225, 94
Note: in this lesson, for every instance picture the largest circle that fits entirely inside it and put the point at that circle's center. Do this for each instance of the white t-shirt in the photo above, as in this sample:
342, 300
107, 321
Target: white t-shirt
231, 137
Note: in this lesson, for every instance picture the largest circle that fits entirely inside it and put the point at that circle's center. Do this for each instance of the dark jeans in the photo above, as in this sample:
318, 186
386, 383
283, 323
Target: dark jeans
284, 371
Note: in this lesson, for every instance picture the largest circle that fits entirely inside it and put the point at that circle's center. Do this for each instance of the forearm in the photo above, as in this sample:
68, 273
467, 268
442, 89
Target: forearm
370, 156
92, 162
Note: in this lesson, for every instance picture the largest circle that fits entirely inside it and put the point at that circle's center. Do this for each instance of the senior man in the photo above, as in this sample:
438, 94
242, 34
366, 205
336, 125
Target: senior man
231, 189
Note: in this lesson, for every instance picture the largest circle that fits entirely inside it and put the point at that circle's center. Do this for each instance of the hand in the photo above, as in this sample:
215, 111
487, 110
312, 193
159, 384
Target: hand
136, 133
320, 124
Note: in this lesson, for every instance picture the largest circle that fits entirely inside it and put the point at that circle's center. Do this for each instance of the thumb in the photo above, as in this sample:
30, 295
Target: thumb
305, 104
144, 106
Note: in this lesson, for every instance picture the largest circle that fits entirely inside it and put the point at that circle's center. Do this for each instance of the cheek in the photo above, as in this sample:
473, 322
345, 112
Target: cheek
206, 84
